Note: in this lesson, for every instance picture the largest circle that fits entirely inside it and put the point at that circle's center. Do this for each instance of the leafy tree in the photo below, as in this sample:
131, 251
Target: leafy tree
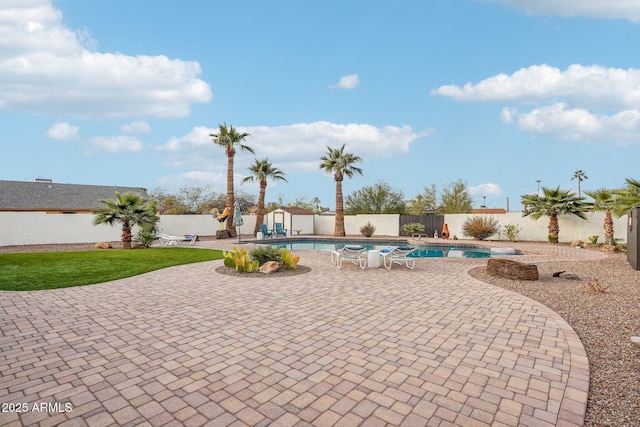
604, 201
424, 202
378, 198
339, 164
229, 138
190, 200
455, 198
261, 171
629, 197
128, 209
553, 202
580, 175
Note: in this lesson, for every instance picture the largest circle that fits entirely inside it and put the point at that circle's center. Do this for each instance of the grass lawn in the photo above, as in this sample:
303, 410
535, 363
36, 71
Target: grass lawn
49, 270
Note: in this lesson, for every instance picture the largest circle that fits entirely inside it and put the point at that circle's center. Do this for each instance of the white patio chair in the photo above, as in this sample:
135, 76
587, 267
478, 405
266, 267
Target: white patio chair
398, 256
168, 240
352, 254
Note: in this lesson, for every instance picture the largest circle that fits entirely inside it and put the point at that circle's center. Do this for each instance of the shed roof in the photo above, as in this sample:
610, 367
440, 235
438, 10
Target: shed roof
296, 210
39, 196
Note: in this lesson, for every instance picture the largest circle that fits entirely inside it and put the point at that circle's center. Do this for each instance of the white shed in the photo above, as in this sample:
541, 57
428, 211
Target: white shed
297, 220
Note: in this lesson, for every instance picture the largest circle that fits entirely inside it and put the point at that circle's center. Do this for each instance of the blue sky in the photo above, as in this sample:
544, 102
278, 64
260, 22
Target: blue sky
499, 93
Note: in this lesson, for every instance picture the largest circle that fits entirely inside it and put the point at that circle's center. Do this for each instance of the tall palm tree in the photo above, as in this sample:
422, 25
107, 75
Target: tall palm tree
230, 138
551, 203
629, 197
604, 201
580, 175
261, 171
130, 209
339, 164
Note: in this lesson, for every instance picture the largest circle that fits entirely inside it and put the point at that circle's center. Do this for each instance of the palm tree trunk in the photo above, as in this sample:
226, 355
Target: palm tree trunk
229, 222
126, 235
260, 211
338, 230
554, 227
608, 229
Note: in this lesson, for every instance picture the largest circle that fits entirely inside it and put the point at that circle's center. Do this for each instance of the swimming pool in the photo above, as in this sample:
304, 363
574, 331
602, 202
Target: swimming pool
443, 250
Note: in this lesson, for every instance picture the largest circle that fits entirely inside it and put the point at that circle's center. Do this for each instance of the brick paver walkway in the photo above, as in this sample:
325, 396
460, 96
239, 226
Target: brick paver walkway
188, 346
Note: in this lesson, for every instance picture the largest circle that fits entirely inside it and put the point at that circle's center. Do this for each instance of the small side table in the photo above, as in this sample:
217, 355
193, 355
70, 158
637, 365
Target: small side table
373, 258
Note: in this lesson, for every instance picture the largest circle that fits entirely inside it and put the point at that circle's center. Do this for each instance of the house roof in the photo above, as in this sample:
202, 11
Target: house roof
39, 196
296, 211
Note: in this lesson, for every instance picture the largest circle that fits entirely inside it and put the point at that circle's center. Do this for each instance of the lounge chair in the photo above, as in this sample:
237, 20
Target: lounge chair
352, 254
280, 231
168, 240
398, 256
265, 232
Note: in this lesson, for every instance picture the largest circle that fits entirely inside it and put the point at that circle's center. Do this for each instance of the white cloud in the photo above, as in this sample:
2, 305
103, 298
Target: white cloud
136, 127
578, 124
116, 144
593, 86
489, 189
44, 68
348, 82
608, 9
63, 131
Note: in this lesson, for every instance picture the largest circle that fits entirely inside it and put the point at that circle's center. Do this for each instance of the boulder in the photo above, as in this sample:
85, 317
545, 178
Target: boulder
103, 245
269, 267
609, 248
513, 270
578, 243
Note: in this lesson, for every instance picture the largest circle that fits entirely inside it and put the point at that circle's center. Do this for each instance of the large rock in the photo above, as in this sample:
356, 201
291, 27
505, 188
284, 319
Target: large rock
269, 267
513, 270
103, 245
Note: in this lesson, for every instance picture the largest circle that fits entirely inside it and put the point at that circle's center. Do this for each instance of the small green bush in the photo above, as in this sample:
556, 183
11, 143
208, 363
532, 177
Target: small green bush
368, 229
264, 253
147, 234
480, 227
593, 239
512, 231
289, 260
552, 238
413, 228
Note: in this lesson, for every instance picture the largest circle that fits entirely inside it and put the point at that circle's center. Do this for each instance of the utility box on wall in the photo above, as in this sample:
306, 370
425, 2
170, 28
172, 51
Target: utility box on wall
633, 238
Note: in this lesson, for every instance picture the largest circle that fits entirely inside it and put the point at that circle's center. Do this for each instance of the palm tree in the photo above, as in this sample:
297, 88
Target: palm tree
229, 138
604, 201
339, 164
130, 209
580, 175
261, 171
629, 197
551, 203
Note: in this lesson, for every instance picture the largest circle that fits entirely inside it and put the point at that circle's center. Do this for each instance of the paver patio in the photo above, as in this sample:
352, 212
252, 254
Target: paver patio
188, 346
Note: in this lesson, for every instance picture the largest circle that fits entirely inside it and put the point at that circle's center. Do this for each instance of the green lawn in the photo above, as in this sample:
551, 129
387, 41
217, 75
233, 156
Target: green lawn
49, 270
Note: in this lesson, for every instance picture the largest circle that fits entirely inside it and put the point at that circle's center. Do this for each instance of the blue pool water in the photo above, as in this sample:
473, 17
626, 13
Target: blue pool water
423, 251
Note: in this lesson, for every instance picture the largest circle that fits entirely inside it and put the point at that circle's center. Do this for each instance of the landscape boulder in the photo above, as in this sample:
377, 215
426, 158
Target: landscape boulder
513, 270
269, 267
103, 245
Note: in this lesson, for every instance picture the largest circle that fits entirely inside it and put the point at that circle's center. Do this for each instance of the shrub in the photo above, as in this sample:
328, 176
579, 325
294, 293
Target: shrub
147, 234
239, 259
593, 239
368, 229
596, 287
289, 260
552, 238
413, 228
264, 253
480, 227
512, 231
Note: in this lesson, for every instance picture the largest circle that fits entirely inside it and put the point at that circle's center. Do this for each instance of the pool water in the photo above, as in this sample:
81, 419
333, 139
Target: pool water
422, 251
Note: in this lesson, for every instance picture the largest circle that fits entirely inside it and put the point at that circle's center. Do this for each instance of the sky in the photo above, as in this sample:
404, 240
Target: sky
498, 93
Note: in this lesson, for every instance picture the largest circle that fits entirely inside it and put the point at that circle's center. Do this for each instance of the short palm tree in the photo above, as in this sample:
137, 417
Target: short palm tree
230, 138
580, 175
604, 201
629, 197
261, 171
553, 202
129, 209
339, 164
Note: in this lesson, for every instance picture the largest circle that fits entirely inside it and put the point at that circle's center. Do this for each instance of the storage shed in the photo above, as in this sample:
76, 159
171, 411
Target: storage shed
298, 220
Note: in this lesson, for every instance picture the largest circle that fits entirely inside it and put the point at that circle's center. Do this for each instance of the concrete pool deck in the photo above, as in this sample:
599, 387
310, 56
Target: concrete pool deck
188, 346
